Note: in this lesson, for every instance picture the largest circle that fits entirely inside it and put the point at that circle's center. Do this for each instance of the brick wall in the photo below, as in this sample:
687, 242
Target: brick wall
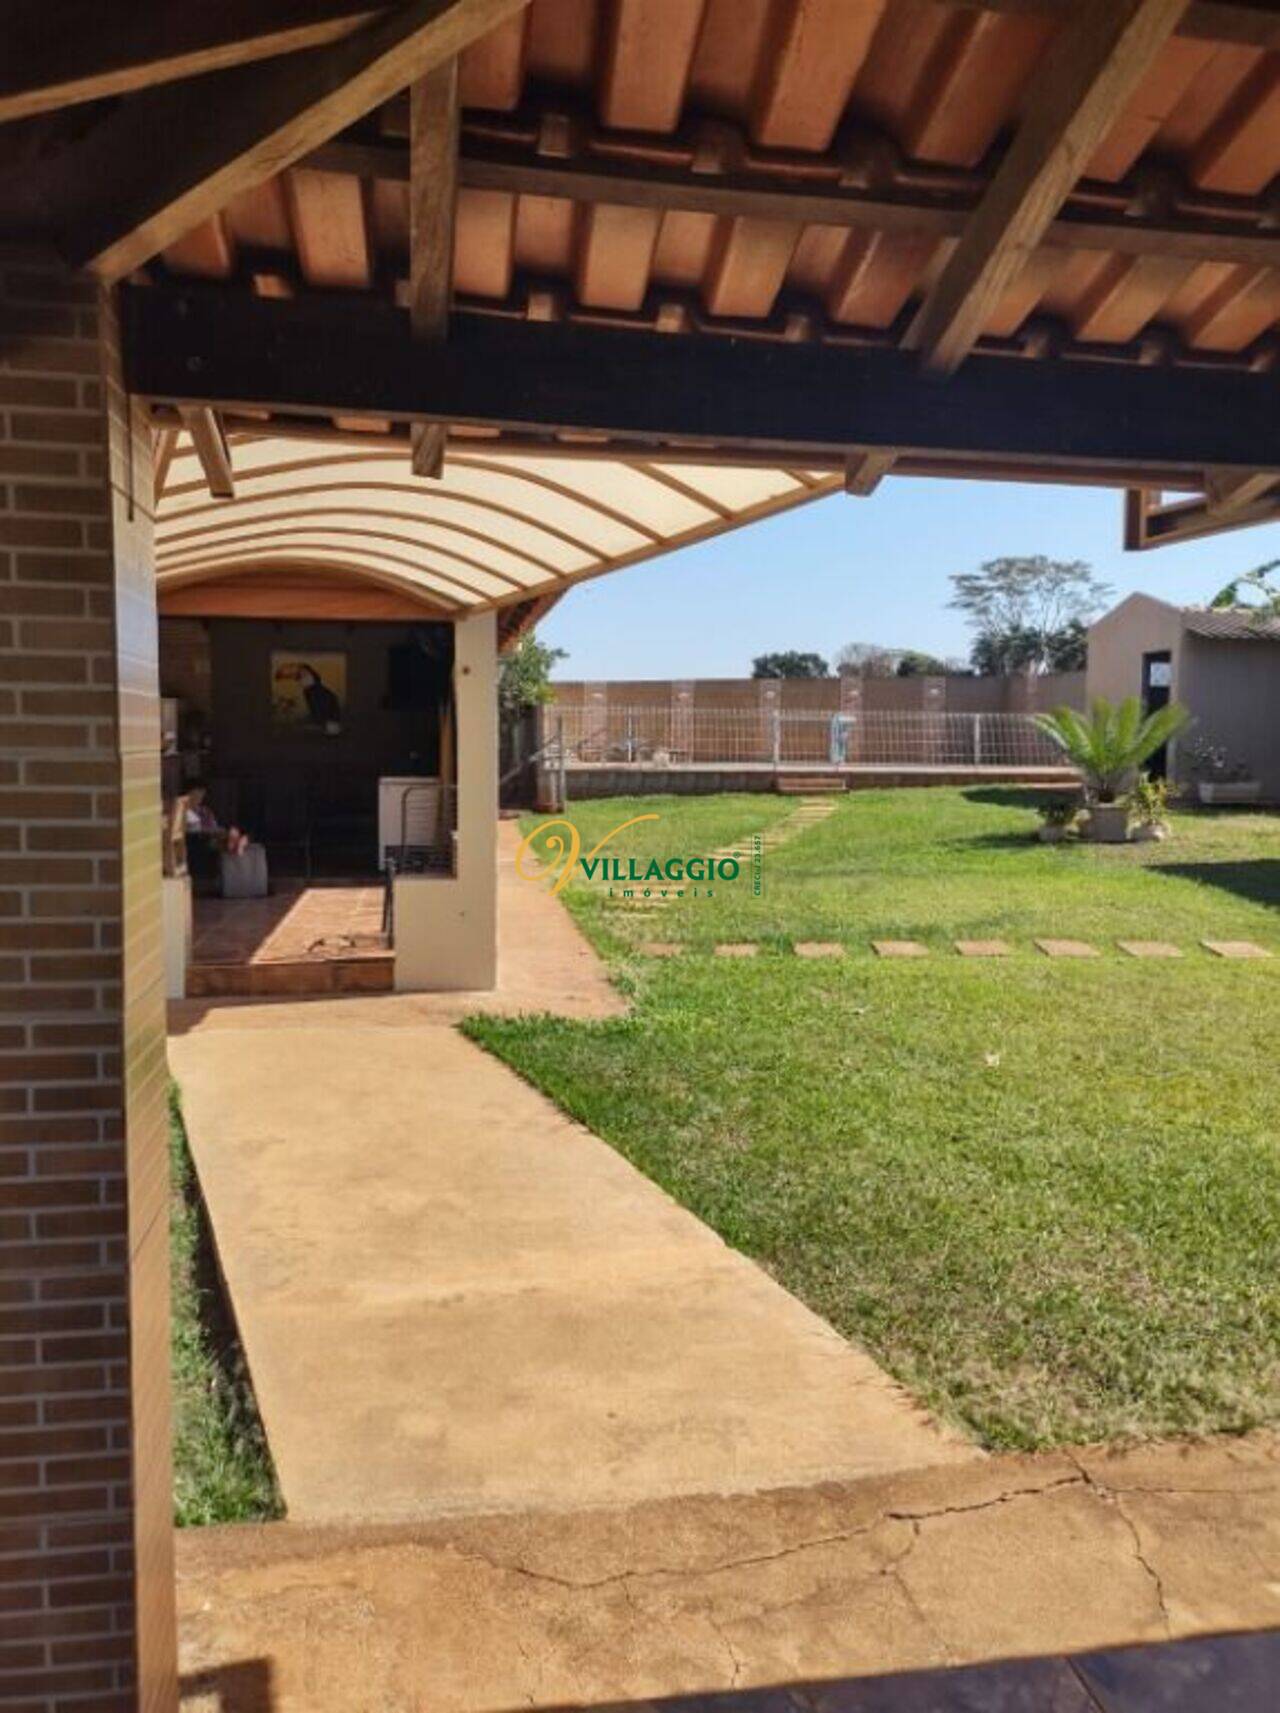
800, 695
86, 1596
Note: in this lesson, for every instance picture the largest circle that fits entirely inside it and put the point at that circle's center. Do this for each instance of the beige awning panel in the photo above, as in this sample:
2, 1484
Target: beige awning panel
499, 528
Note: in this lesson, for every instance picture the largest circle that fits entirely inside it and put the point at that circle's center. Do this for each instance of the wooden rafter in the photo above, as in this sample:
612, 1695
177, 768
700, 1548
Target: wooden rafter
163, 446
217, 346
433, 194
1232, 490
209, 441
1089, 72
937, 213
125, 199
865, 467
1149, 523
67, 51
1248, 23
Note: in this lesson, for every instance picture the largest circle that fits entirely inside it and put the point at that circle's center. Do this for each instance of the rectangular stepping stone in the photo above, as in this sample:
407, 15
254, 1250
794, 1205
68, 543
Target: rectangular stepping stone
1149, 948
983, 948
1235, 949
659, 949
899, 949
744, 949
818, 949
1067, 948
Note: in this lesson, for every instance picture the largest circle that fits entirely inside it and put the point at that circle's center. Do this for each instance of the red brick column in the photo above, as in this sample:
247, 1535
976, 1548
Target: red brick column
86, 1568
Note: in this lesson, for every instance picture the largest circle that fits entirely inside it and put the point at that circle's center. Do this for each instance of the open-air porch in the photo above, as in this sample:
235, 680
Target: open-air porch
571, 261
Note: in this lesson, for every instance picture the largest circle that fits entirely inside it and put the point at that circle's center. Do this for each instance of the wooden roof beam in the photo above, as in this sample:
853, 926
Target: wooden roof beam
434, 117
1089, 73
923, 210
213, 345
1247, 23
1232, 490
209, 440
68, 51
864, 469
125, 199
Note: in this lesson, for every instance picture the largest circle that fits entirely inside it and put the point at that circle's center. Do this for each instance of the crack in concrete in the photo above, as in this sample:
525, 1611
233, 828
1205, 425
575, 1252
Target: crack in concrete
1112, 1496
750, 1561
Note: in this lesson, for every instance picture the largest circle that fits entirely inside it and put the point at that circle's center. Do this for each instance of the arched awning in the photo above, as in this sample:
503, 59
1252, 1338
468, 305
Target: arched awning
498, 529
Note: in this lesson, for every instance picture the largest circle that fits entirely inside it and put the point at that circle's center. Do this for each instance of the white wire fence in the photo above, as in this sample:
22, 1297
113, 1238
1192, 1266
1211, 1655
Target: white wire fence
659, 737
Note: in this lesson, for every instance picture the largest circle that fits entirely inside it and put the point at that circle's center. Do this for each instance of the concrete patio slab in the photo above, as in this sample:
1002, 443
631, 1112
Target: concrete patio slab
1235, 949
983, 948
899, 949
1150, 948
452, 1299
1010, 1559
1067, 949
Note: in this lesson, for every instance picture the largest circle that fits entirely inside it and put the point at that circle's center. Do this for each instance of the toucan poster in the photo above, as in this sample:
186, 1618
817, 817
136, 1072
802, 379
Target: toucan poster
308, 689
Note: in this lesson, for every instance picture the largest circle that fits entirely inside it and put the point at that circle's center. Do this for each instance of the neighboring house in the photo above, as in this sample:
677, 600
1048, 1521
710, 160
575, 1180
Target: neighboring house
1223, 664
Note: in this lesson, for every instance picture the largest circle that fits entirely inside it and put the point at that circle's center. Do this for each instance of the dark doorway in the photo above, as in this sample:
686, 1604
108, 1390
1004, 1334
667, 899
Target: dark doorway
1157, 688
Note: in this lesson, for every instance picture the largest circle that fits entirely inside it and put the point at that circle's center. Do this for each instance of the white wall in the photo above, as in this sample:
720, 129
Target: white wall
446, 928
1119, 639
1233, 691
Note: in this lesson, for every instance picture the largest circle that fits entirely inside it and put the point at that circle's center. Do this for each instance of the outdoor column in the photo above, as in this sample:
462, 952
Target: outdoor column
446, 928
85, 1477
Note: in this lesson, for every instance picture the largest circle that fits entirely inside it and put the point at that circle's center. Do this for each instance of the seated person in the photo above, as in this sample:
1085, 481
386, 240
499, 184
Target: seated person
206, 838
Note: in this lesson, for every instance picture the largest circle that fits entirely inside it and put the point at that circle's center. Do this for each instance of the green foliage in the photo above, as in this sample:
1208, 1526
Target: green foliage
1149, 801
1110, 744
1028, 614
912, 663
789, 663
524, 674
1259, 582
1058, 811
221, 1468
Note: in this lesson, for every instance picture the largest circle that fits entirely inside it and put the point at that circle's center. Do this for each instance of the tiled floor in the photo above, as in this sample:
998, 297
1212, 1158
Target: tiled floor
1216, 1674
302, 923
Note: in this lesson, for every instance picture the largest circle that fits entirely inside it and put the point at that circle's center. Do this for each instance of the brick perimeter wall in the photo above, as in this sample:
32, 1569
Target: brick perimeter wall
86, 1575
1014, 695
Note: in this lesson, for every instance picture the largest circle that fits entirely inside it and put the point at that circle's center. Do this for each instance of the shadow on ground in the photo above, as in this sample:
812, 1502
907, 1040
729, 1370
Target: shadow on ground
1258, 881
1234, 1674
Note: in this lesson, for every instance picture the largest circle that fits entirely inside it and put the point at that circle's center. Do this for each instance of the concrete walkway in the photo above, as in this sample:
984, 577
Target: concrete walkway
453, 1300
1015, 1559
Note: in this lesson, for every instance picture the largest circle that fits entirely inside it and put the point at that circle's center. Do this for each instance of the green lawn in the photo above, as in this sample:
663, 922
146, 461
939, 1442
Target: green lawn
221, 1469
1046, 1195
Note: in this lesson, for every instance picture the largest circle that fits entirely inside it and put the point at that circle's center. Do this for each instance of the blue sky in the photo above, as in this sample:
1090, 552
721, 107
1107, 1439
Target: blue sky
870, 570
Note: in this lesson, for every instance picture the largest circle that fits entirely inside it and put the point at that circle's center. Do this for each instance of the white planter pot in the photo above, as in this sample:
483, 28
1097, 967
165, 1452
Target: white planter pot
1229, 791
1148, 831
1108, 824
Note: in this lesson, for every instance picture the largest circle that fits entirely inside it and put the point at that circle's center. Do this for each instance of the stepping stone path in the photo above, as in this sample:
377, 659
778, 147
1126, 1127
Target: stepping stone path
808, 812
818, 949
659, 949
1235, 949
1149, 948
983, 948
1067, 948
899, 949
739, 949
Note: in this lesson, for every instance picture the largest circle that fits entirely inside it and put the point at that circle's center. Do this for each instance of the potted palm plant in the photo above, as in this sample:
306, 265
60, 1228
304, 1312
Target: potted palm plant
1109, 745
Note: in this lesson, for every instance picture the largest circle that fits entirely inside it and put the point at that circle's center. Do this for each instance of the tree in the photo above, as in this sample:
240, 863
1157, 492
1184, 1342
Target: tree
912, 663
1260, 582
1067, 650
789, 663
867, 660
1023, 609
524, 675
